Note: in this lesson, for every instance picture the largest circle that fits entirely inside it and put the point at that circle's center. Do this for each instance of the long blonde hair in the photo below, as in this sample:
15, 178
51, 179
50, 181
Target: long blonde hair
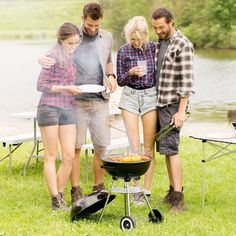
137, 25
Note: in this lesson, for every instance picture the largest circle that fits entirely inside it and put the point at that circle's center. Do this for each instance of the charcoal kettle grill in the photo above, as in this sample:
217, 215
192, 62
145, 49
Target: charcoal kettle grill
115, 169
128, 171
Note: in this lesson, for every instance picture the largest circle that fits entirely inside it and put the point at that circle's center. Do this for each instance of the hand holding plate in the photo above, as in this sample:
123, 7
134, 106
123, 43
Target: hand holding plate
74, 90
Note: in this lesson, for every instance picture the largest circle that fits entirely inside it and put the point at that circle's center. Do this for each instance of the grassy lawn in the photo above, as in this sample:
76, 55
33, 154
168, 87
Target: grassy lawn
25, 204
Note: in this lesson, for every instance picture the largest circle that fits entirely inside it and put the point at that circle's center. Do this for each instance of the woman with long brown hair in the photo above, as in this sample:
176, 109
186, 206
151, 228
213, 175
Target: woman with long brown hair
55, 113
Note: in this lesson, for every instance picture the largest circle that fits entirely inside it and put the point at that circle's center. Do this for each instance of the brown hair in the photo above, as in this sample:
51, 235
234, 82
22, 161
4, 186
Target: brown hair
65, 31
162, 12
94, 10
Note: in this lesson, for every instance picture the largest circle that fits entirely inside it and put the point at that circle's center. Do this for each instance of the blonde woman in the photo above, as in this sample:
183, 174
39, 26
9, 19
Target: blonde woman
136, 73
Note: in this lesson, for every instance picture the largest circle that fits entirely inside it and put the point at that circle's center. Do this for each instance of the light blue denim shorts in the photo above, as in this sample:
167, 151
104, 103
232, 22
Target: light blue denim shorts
138, 101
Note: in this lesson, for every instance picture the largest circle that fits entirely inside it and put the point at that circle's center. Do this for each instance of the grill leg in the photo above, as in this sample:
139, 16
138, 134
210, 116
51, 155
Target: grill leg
127, 200
108, 196
149, 206
147, 201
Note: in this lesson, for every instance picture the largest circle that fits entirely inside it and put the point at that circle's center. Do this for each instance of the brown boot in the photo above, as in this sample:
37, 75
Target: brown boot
168, 198
177, 204
58, 203
76, 194
98, 187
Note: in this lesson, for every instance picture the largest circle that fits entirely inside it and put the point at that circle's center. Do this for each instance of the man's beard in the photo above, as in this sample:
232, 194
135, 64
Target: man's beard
165, 35
88, 32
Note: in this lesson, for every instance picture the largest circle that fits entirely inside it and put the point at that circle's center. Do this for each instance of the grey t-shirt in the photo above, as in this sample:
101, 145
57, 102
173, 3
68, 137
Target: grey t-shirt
160, 57
88, 67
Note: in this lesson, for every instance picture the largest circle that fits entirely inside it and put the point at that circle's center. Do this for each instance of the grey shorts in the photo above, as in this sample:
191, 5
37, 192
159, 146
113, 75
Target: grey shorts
138, 101
93, 115
169, 144
50, 115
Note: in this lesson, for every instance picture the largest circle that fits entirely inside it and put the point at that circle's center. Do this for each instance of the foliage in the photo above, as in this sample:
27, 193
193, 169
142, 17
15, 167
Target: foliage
208, 23
25, 204
116, 15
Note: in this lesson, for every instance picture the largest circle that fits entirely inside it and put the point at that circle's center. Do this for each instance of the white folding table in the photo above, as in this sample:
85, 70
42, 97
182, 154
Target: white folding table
223, 147
35, 150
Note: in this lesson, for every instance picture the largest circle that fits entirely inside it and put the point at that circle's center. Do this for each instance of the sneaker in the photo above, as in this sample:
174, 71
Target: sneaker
58, 203
98, 187
177, 205
138, 198
168, 198
76, 194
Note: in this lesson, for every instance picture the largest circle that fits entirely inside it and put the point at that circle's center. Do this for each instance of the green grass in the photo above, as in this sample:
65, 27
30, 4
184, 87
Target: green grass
25, 203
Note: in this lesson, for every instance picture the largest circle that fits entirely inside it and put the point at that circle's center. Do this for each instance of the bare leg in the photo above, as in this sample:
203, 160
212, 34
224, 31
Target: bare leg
67, 137
167, 159
175, 172
131, 122
50, 142
149, 129
75, 172
98, 172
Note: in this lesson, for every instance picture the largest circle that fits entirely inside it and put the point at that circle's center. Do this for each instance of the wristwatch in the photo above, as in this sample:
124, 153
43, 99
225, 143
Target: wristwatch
111, 74
105, 95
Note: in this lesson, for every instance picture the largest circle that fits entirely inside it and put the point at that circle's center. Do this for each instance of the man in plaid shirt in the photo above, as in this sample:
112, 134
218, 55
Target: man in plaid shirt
174, 60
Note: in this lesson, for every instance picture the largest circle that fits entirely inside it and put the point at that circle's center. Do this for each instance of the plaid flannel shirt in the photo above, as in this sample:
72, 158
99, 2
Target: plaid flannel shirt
127, 58
57, 75
176, 75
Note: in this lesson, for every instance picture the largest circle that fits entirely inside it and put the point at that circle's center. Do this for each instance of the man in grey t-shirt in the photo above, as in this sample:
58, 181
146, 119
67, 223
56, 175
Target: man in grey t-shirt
94, 66
89, 69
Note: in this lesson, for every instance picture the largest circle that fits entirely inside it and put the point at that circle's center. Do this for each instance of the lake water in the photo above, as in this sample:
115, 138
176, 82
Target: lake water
215, 83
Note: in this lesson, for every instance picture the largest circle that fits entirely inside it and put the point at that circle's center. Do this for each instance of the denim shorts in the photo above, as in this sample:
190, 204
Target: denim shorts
93, 115
138, 101
169, 144
50, 115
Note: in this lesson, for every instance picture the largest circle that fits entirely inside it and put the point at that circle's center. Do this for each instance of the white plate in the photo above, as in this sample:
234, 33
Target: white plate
91, 88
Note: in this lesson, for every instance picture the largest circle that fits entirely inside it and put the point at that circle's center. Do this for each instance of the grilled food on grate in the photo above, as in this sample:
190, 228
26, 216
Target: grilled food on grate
129, 158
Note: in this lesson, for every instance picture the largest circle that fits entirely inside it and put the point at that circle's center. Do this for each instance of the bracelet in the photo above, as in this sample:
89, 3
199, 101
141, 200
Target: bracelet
111, 75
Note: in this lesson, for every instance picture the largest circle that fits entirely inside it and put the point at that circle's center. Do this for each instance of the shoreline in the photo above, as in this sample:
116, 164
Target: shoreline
191, 128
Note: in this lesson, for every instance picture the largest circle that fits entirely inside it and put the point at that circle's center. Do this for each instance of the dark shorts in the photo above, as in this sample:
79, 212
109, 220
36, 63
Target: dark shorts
50, 115
169, 144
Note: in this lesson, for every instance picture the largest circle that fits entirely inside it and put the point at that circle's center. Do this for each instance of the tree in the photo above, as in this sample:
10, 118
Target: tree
117, 14
207, 23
